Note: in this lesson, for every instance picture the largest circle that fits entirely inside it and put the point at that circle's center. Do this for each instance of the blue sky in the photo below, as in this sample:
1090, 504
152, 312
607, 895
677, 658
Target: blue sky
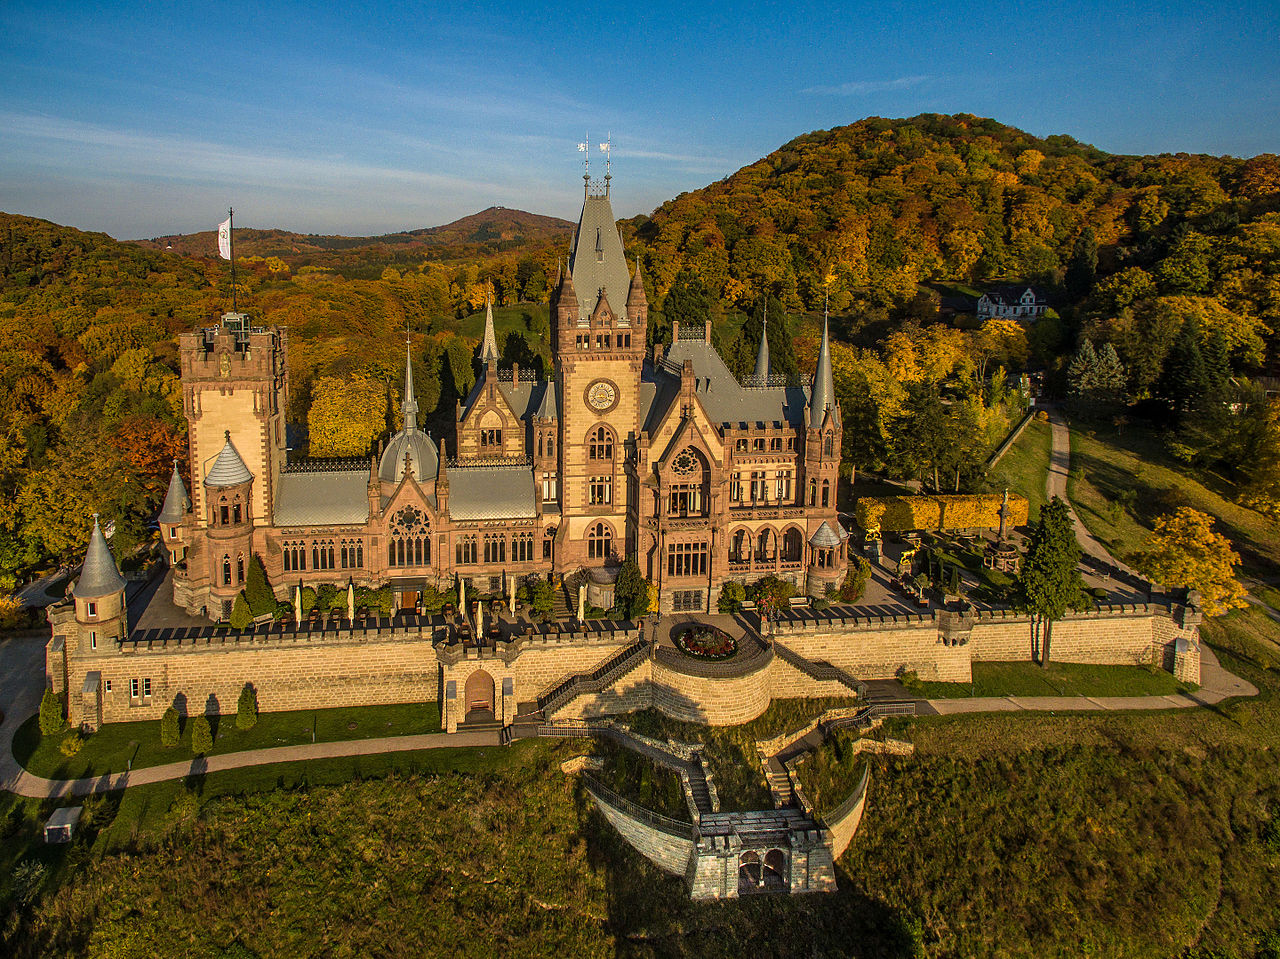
143, 119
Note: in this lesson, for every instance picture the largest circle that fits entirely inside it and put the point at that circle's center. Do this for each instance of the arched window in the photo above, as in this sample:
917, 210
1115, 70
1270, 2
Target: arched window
600, 444
226, 570
599, 541
826, 492
828, 444
551, 445
813, 492
766, 546
410, 543
687, 494
792, 546
740, 548
224, 512
240, 569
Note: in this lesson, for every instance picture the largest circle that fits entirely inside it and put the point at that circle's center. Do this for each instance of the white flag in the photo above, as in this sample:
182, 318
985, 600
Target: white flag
224, 239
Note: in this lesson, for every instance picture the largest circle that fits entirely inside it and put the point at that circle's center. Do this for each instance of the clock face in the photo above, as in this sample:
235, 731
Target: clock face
602, 395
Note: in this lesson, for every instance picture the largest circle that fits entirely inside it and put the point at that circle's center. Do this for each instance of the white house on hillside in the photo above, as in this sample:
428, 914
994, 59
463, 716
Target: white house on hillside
1013, 302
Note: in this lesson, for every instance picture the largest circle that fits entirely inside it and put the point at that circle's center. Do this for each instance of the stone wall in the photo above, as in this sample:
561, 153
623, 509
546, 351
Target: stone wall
846, 819
670, 853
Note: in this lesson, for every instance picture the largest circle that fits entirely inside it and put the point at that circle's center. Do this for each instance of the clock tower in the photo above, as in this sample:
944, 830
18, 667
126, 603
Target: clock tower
600, 314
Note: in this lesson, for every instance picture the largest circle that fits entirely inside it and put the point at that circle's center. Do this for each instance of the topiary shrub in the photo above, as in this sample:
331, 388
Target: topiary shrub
241, 617
170, 729
247, 709
257, 590
71, 745
53, 718
201, 736
855, 580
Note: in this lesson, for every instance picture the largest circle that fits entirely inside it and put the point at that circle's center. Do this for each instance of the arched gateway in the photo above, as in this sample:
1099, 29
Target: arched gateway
478, 696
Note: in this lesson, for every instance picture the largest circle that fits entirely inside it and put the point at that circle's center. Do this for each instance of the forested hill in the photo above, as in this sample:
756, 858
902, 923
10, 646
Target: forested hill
880, 206
490, 232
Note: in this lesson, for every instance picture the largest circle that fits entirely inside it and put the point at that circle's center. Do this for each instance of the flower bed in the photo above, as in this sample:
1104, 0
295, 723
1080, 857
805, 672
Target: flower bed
705, 642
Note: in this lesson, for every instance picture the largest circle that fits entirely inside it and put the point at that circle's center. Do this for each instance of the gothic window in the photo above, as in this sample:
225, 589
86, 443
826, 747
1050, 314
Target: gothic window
826, 492
235, 511
495, 548
600, 490
783, 486
226, 570
490, 437
775, 445
240, 569
352, 554
687, 494
410, 543
759, 487
813, 492
465, 550
740, 445
758, 444
735, 488
828, 444
322, 555
687, 559
599, 541
548, 542
522, 548
600, 444
539, 444
295, 558
766, 546
224, 513
551, 446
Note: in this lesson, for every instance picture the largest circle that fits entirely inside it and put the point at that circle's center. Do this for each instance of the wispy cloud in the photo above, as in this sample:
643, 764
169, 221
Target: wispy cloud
855, 88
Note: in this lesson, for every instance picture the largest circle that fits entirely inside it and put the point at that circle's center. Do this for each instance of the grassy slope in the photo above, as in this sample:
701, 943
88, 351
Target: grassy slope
112, 747
1024, 467
1106, 463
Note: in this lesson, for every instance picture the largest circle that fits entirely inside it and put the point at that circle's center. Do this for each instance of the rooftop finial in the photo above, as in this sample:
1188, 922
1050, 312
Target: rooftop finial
409, 408
585, 148
606, 148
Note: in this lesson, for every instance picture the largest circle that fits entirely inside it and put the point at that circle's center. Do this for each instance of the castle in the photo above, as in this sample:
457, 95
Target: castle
661, 456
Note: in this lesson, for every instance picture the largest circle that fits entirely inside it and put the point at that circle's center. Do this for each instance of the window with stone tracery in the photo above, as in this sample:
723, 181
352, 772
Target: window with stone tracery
410, 542
687, 494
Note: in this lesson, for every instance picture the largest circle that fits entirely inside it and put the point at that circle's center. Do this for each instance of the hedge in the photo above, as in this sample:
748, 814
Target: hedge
895, 514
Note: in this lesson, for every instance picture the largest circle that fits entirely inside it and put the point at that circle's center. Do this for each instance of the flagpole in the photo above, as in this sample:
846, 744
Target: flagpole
231, 245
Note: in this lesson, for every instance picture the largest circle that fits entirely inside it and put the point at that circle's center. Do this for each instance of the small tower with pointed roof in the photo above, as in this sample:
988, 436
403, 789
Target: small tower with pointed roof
173, 515
760, 376
827, 560
489, 344
228, 488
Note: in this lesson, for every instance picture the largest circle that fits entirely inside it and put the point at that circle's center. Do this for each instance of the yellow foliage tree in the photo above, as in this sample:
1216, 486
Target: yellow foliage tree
346, 414
1183, 550
902, 513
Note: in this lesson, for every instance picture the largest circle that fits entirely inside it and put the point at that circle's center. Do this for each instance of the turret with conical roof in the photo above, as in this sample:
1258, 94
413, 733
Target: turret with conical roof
176, 500
228, 469
823, 396
761, 373
99, 576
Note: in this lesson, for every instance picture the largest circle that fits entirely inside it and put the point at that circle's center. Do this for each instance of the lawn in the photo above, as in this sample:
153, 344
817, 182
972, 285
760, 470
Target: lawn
1060, 679
1024, 468
1122, 480
111, 748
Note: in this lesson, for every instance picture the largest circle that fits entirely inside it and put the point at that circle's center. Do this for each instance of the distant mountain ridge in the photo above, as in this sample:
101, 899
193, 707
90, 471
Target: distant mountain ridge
497, 229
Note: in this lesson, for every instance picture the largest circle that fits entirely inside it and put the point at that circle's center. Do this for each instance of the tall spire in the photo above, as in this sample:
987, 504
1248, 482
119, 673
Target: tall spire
489, 345
762, 357
176, 500
823, 396
99, 576
409, 408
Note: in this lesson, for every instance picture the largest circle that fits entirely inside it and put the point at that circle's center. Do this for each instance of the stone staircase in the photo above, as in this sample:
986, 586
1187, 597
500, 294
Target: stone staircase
821, 670
698, 790
596, 681
779, 783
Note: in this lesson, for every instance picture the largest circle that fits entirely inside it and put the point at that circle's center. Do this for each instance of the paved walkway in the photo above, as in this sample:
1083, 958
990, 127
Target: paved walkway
1055, 484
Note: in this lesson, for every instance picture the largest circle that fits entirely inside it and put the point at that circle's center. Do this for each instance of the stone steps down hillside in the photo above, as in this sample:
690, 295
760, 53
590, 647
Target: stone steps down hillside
821, 670
596, 681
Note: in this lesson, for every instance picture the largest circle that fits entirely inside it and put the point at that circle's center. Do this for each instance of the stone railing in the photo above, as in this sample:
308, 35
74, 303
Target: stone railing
672, 827
756, 656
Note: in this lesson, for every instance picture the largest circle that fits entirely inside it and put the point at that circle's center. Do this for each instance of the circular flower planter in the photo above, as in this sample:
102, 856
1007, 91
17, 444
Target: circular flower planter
700, 641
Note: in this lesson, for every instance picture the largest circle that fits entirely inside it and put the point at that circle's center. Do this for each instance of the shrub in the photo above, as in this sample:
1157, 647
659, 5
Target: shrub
71, 744
631, 595
201, 736
542, 599
901, 513
257, 590
52, 716
770, 594
12, 613
732, 593
247, 709
308, 599
855, 580
327, 598
170, 730
241, 617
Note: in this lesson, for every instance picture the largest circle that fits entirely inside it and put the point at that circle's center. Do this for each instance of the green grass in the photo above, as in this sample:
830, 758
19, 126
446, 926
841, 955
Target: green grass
1024, 468
1060, 679
115, 744
1108, 465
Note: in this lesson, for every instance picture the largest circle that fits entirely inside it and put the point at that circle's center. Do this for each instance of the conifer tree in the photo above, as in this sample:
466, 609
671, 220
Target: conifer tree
257, 590
241, 617
247, 709
1184, 381
201, 736
1049, 582
52, 716
1217, 364
1083, 265
169, 728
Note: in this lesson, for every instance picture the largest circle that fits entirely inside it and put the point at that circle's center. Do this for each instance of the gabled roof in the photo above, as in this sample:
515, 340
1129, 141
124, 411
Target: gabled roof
228, 469
176, 500
99, 576
491, 492
322, 498
597, 260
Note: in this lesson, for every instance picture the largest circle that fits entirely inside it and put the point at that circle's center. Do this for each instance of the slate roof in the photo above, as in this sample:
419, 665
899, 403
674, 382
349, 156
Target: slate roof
1012, 295
99, 576
491, 492
228, 469
489, 344
597, 260
724, 398
423, 456
530, 398
176, 500
322, 498
827, 538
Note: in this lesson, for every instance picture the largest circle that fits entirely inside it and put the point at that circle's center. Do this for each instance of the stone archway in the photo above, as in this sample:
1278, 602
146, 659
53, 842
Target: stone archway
478, 697
774, 873
748, 872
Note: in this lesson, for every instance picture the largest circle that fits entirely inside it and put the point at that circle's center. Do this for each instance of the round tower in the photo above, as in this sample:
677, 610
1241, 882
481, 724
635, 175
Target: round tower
229, 498
99, 595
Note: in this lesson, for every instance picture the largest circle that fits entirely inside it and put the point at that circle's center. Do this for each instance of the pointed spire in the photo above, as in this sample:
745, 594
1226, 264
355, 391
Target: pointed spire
99, 576
409, 408
761, 373
823, 396
636, 298
489, 345
176, 500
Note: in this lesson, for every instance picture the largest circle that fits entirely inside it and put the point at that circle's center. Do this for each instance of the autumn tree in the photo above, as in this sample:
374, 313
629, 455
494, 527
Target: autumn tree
1049, 582
1184, 550
347, 414
1261, 465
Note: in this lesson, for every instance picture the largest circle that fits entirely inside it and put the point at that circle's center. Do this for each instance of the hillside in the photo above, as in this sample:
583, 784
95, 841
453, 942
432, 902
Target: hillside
492, 231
